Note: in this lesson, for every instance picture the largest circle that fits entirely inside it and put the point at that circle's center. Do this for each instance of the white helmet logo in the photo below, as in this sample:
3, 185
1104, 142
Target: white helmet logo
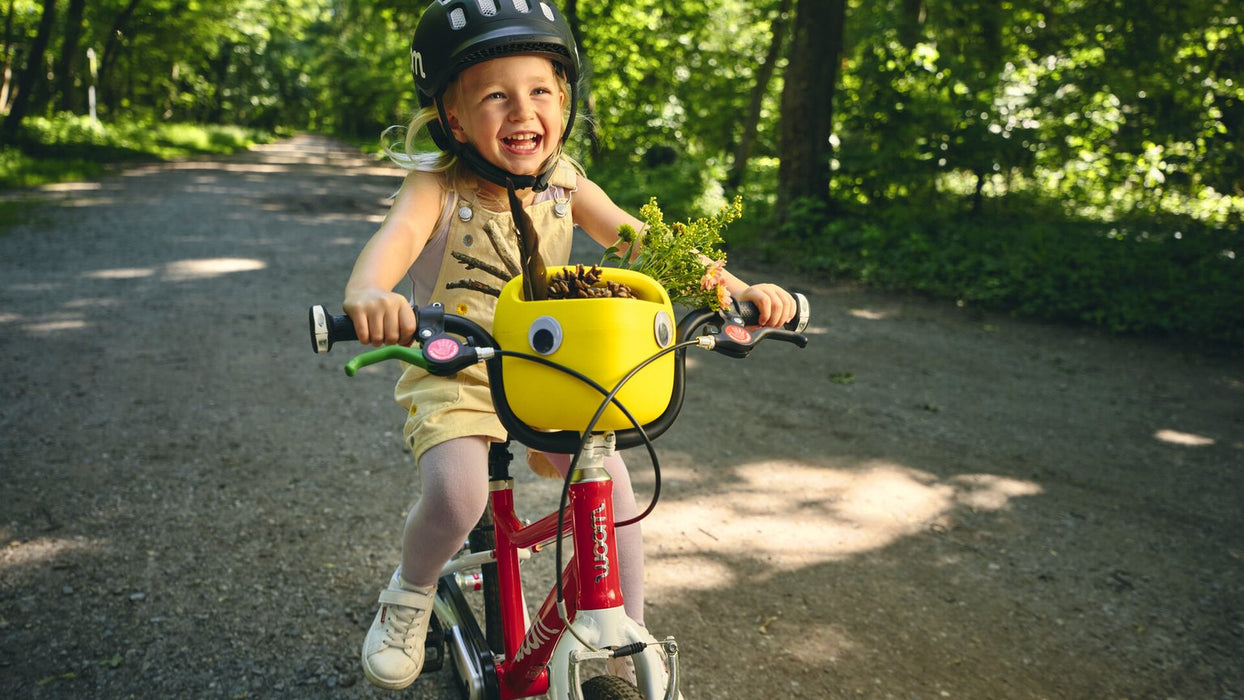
416, 64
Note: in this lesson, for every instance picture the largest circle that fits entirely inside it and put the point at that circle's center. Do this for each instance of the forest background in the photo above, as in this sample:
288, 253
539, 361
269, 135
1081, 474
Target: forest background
1072, 161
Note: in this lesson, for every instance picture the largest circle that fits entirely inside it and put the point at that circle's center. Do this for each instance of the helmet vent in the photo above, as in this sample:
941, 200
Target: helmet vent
548, 13
496, 52
487, 8
457, 18
522, 6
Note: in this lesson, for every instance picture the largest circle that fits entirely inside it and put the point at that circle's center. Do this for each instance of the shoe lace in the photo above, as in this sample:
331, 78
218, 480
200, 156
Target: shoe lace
398, 624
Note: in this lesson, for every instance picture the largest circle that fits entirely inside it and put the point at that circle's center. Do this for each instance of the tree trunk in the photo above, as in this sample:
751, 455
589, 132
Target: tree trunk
911, 24
6, 55
29, 78
69, 97
587, 105
220, 67
807, 103
764, 74
113, 47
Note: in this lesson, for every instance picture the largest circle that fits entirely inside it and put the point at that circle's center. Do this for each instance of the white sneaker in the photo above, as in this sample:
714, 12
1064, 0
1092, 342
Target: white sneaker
622, 667
394, 647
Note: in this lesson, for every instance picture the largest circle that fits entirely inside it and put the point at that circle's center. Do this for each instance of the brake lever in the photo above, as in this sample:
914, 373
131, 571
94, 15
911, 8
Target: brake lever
736, 340
388, 352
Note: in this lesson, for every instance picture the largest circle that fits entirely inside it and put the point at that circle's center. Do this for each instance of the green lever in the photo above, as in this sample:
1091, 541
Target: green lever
389, 352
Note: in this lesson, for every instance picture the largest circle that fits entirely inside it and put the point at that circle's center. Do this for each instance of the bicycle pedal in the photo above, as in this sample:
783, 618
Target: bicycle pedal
434, 646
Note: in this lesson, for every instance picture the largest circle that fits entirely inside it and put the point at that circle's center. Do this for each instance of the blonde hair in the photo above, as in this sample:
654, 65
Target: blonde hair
401, 143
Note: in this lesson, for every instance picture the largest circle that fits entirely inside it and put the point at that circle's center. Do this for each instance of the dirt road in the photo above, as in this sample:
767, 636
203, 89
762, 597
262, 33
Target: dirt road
927, 502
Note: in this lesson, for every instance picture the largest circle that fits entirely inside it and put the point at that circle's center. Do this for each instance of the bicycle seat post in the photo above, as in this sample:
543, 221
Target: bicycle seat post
499, 458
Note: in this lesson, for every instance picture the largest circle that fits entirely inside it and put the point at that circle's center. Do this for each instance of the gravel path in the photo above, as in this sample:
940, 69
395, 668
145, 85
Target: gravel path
927, 502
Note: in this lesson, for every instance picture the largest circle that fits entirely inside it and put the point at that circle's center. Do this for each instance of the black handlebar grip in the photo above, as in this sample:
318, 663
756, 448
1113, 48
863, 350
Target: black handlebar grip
751, 315
327, 329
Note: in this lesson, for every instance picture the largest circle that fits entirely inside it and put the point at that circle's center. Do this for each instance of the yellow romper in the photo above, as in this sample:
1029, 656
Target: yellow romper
443, 408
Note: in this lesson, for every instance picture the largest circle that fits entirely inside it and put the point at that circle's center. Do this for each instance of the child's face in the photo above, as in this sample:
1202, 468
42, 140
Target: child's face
510, 109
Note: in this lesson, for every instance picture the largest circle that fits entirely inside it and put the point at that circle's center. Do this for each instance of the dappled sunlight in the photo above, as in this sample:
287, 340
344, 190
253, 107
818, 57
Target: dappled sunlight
255, 168
18, 553
205, 268
48, 327
990, 491
270, 165
791, 515
59, 321
72, 187
75, 314
886, 501
871, 314
121, 273
1176, 437
182, 270
820, 644
695, 572
93, 303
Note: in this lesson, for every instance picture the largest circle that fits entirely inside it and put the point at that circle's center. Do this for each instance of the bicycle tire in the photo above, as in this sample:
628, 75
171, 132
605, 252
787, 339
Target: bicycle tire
610, 688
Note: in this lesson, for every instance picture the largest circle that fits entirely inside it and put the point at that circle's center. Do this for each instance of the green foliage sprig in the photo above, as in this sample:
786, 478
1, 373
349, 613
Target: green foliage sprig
685, 258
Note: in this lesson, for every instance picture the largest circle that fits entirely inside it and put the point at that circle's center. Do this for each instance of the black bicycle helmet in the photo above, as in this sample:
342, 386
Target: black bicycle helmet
453, 35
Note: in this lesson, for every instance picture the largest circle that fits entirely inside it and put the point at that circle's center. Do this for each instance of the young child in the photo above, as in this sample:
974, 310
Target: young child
497, 92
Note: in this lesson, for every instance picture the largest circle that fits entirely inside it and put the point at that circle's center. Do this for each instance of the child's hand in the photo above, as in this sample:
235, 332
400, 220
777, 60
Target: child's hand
776, 305
380, 317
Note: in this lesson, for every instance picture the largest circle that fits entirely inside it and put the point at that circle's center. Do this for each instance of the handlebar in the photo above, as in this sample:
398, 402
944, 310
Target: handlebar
733, 334
327, 329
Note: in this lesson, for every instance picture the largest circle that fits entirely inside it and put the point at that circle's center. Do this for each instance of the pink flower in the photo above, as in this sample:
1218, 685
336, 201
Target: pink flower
712, 275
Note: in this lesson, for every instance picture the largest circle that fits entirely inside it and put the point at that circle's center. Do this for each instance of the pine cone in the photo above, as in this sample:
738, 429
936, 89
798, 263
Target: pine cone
584, 283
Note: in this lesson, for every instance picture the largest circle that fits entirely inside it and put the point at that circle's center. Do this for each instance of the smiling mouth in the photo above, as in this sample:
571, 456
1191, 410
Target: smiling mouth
524, 143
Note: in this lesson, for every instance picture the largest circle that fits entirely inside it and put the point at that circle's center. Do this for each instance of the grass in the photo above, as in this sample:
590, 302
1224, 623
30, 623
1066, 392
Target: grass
69, 148
16, 211
1169, 276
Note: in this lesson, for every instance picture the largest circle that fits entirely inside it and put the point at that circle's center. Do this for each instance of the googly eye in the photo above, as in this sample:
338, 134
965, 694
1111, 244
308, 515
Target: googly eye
663, 329
545, 335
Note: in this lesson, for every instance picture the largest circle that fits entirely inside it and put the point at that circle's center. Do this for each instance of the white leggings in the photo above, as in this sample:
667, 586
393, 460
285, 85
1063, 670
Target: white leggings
455, 493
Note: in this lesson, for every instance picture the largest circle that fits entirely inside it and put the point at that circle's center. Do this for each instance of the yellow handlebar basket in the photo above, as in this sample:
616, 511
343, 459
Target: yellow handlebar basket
602, 338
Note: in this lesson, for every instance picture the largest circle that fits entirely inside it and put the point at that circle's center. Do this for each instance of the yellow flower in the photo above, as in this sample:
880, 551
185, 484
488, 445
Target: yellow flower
683, 257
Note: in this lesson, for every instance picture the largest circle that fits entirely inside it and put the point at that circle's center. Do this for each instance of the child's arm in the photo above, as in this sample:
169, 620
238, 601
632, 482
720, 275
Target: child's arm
381, 316
596, 213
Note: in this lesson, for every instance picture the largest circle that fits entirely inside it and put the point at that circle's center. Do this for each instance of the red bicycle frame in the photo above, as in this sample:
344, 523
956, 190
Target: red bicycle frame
590, 622
590, 583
